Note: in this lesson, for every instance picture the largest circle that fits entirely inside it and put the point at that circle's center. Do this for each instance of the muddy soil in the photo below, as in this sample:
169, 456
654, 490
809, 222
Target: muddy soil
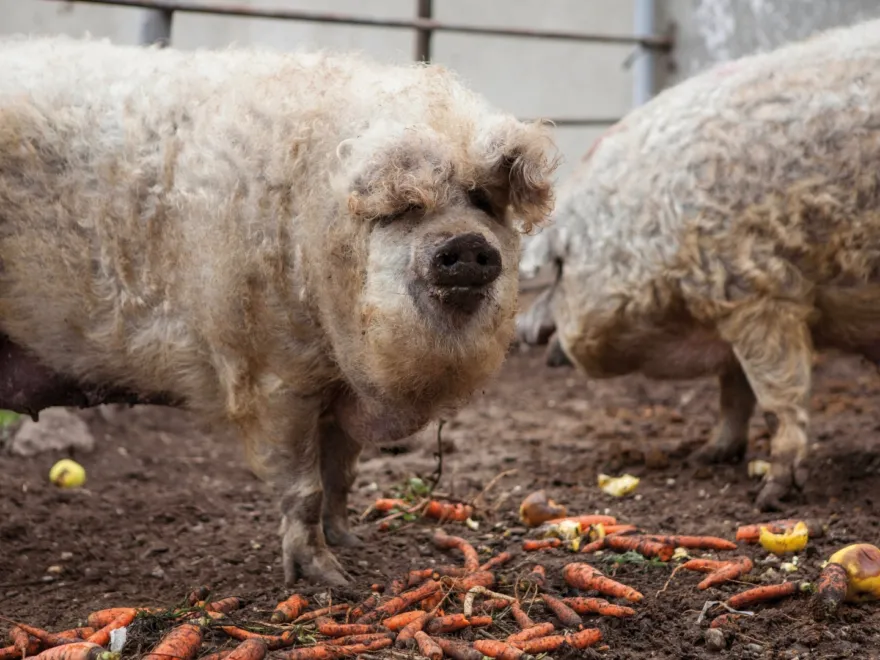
168, 506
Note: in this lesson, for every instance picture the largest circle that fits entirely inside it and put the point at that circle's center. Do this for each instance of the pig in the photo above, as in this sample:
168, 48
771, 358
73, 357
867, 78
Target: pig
729, 228
315, 249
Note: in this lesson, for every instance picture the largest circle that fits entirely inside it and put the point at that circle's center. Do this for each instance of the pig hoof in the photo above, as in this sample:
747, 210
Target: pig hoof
728, 452
340, 537
324, 569
770, 497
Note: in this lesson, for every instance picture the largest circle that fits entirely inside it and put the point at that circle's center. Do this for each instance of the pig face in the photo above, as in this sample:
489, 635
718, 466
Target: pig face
439, 220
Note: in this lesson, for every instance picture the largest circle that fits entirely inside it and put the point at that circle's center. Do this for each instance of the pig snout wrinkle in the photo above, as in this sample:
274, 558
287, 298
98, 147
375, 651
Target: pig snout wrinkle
465, 261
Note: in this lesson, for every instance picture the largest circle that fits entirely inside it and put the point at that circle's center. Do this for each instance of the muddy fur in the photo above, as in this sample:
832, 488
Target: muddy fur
239, 230
730, 227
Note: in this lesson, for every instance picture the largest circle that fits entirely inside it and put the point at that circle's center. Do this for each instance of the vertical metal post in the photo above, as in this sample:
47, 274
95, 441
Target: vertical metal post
156, 28
423, 36
645, 62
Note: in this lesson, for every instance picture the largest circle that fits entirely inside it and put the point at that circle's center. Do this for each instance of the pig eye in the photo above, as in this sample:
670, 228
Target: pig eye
479, 198
412, 208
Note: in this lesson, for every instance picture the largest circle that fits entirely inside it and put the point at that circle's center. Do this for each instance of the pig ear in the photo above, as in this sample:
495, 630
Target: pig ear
521, 162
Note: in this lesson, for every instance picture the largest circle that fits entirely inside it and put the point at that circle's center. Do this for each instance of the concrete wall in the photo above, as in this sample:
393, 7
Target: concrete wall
529, 77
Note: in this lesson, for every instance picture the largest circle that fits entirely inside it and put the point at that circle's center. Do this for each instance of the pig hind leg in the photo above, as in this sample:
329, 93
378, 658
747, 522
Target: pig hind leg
730, 438
771, 340
339, 456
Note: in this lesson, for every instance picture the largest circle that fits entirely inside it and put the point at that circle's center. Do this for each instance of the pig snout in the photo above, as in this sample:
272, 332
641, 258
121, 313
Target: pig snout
460, 268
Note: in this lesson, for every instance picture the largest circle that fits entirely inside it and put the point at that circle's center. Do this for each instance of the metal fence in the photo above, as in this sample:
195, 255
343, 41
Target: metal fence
157, 30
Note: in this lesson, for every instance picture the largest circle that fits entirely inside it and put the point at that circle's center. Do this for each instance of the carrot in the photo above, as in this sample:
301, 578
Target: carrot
537, 630
369, 604
225, 605
398, 621
219, 655
541, 644
584, 638
479, 621
594, 546
197, 594
585, 577
408, 632
360, 639
762, 594
12, 653
77, 651
444, 541
102, 635
703, 565
447, 624
384, 505
180, 643
448, 511
478, 579
431, 602
694, 542
428, 647
731, 571
538, 576
641, 545
324, 652
23, 643
249, 649
568, 617
456, 650
751, 533
101, 618
272, 642
377, 588
80, 633
497, 560
493, 604
724, 619
289, 609
333, 629
598, 606
401, 602
533, 545
416, 577
522, 619
20, 638
586, 521
499, 650
830, 591
324, 611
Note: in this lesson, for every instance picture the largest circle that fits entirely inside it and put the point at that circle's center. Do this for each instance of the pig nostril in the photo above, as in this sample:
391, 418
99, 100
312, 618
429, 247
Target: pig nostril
448, 259
483, 259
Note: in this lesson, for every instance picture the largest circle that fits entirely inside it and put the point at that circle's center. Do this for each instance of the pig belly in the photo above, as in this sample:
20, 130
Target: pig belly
697, 354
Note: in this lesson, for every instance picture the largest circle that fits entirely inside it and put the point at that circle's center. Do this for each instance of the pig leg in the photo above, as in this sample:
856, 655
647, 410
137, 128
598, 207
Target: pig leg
555, 357
339, 456
730, 438
773, 345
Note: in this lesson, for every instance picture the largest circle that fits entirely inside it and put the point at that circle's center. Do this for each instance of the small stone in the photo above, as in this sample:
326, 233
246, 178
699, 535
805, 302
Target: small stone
66, 556
158, 573
714, 639
754, 649
55, 570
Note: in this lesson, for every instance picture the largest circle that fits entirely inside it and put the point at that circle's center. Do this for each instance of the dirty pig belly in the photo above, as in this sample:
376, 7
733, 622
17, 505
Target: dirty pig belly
27, 386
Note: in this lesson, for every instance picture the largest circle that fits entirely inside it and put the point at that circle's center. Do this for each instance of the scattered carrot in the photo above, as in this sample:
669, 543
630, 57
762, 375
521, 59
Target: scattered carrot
180, 643
522, 619
537, 576
751, 533
408, 632
289, 609
703, 565
694, 542
21, 631
584, 638
444, 541
763, 594
272, 642
586, 521
830, 591
594, 546
219, 655
641, 545
324, 652
431, 602
456, 650
324, 611
398, 621
499, 650
568, 617
249, 649
479, 621
497, 560
369, 604
397, 587
477, 579
619, 529
731, 571
448, 511
583, 605
447, 624
541, 644
428, 647
377, 588
101, 618
77, 651
226, 605
533, 545
493, 604
537, 630
724, 620
80, 633
12, 653
102, 635
333, 629
23, 643
585, 577
401, 602
197, 594
385, 505
360, 639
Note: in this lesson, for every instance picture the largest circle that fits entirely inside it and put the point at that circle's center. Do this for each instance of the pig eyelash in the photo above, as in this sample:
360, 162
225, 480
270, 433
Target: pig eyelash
412, 208
479, 199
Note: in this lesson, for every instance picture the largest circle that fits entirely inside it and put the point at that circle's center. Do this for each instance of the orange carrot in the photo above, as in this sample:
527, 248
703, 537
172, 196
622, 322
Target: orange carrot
497, 560
478, 621
397, 587
289, 609
360, 639
76, 651
378, 588
324, 611
493, 604
408, 632
537, 630
595, 546
333, 629
478, 579
584, 638
724, 619
585, 577
384, 505
80, 633
101, 618
568, 617
447, 624
830, 591
21, 631
218, 655
541, 644
694, 542
763, 594
448, 511
398, 621
369, 604
180, 643
324, 652
272, 642
444, 541
538, 576
640, 545
522, 619
401, 602
428, 647
734, 569
533, 545
197, 594
703, 565
457, 651
225, 605
102, 635
23, 643
586, 521
249, 649
499, 650
416, 577
751, 533
431, 602
12, 653
598, 606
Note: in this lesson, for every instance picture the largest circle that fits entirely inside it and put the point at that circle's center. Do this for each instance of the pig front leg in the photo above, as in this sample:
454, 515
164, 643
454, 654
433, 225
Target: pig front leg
772, 342
339, 456
731, 436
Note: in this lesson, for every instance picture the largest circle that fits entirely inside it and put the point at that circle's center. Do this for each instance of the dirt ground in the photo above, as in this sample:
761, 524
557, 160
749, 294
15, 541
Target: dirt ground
168, 507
